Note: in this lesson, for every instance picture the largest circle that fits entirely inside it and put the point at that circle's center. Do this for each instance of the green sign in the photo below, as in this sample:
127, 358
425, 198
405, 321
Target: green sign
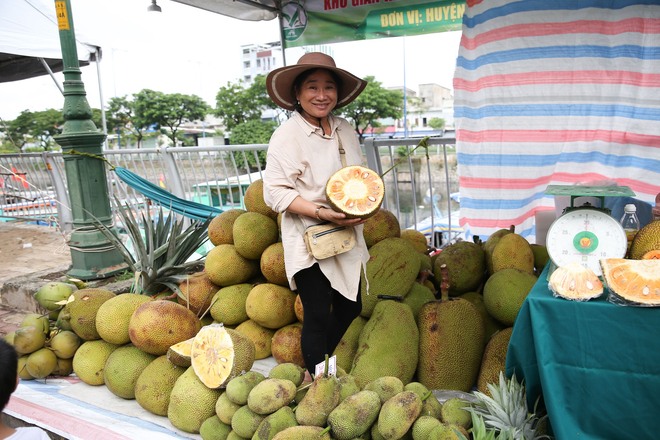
336, 21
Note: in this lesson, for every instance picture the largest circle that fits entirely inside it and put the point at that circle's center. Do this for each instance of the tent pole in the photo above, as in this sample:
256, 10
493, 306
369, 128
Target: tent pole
52, 75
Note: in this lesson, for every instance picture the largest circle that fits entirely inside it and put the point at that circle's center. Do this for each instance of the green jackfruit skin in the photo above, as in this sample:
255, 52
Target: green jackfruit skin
392, 269
513, 251
466, 266
302, 433
348, 344
355, 415
388, 344
646, 239
191, 402
504, 293
271, 394
398, 414
214, 429
278, 421
451, 335
321, 398
238, 389
494, 359
385, 387
245, 421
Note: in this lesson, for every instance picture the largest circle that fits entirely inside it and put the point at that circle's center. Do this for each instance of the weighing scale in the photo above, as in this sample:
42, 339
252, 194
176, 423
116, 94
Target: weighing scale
586, 234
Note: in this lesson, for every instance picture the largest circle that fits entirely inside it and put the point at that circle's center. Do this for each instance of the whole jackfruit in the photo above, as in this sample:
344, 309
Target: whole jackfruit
155, 383
261, 337
157, 325
392, 269
191, 402
321, 398
228, 304
398, 414
383, 224
123, 368
646, 239
220, 229
245, 422
466, 266
114, 316
225, 266
278, 421
270, 305
89, 360
513, 251
271, 394
348, 345
83, 309
451, 335
387, 345
504, 293
354, 415
303, 433
253, 233
494, 359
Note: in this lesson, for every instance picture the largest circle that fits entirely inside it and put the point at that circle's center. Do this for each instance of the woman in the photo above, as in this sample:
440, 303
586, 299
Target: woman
303, 153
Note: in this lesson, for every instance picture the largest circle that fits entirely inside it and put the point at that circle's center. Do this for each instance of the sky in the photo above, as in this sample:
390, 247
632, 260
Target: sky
191, 51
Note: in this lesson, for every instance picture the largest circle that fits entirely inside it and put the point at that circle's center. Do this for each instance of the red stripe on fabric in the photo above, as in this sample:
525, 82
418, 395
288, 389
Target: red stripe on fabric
618, 77
471, 3
618, 137
496, 223
636, 24
485, 182
61, 421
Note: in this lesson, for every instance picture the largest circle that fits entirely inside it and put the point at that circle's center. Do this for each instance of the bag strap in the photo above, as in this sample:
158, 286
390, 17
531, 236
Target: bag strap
342, 152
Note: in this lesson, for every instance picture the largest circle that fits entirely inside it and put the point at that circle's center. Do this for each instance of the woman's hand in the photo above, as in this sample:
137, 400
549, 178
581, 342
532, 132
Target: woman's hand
329, 215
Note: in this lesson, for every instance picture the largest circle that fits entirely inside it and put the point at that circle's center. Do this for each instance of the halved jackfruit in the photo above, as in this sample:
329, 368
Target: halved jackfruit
356, 191
576, 282
179, 353
633, 280
219, 354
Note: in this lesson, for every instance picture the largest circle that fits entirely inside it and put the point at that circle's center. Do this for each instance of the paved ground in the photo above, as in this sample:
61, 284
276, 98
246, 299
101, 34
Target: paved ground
27, 249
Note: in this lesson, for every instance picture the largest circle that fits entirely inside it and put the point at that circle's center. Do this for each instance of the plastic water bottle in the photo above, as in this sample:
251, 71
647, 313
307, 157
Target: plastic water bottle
630, 223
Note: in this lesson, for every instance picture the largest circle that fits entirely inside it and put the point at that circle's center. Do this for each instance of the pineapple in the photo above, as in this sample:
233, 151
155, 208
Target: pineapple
504, 416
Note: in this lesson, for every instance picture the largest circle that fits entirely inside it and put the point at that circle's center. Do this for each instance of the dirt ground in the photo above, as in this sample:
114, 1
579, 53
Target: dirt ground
29, 248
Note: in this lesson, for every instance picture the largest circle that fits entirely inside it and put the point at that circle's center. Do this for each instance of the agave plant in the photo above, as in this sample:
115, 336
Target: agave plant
505, 416
162, 257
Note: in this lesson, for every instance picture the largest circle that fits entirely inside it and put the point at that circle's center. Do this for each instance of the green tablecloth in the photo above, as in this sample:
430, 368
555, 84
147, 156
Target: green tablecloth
596, 364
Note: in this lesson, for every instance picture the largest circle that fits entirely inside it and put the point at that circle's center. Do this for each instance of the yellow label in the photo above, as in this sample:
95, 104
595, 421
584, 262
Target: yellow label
62, 16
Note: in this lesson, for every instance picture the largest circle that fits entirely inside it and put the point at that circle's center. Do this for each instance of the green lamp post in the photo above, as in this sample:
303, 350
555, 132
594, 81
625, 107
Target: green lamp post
92, 255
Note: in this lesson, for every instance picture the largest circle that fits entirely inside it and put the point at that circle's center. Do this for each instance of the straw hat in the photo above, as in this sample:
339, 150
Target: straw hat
279, 82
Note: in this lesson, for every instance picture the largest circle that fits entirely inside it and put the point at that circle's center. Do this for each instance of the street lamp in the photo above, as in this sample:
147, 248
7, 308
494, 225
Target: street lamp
153, 7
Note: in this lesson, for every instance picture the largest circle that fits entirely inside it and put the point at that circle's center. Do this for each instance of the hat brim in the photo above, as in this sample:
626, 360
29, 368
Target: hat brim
279, 84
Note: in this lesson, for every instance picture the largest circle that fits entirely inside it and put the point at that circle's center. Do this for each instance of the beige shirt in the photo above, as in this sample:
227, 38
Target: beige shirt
300, 161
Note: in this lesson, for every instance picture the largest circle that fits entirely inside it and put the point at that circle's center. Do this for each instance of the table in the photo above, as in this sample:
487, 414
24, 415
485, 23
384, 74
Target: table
596, 364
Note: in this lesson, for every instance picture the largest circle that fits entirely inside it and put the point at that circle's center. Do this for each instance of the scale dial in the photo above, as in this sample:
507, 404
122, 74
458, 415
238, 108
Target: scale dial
585, 235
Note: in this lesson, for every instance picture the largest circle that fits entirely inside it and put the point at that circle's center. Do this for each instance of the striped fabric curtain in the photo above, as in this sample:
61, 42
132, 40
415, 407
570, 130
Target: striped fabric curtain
554, 92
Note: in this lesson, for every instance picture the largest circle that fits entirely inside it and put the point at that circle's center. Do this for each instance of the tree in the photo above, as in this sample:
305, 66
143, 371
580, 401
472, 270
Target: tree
45, 125
120, 119
251, 132
168, 111
437, 123
236, 104
374, 103
18, 130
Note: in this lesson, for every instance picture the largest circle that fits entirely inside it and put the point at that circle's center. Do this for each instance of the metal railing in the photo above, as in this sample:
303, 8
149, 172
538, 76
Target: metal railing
419, 191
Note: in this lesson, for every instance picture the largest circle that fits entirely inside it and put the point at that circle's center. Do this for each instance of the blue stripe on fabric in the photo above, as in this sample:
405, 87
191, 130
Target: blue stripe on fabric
573, 110
564, 51
545, 5
480, 204
525, 160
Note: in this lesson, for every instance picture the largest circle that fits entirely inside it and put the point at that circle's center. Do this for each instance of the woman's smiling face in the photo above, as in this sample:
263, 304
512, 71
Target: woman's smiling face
318, 93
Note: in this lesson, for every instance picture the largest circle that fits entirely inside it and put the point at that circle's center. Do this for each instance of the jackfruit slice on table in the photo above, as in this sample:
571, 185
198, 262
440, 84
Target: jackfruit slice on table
632, 282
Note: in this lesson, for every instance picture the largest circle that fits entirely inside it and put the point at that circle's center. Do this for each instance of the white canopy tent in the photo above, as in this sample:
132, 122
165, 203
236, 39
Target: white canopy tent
30, 43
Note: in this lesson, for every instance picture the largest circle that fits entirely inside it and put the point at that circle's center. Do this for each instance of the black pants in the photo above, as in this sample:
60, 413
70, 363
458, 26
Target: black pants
327, 315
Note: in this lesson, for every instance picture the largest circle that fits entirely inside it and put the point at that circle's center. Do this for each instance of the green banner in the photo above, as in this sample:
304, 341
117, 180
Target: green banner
335, 21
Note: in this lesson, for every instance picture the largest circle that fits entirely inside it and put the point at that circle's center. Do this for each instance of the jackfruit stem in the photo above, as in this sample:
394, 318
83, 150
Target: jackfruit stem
444, 283
427, 395
327, 362
325, 431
